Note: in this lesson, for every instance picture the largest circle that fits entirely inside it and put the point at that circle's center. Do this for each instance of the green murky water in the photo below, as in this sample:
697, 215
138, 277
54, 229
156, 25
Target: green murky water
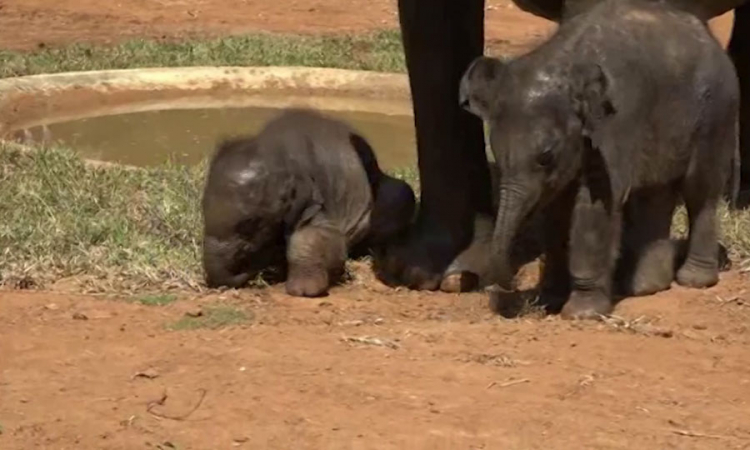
187, 136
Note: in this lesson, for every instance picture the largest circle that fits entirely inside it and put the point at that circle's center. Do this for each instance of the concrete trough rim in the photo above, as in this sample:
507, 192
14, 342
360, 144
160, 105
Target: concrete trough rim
36, 100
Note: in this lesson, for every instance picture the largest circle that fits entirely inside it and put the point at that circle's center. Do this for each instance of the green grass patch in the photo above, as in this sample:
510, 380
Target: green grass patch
114, 228
120, 230
212, 318
156, 299
110, 228
378, 51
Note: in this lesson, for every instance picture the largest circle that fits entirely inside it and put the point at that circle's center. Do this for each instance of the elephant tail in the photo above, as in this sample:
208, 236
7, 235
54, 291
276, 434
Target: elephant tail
733, 182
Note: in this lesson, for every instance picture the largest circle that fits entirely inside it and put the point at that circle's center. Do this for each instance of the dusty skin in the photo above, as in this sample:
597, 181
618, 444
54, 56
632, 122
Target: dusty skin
367, 367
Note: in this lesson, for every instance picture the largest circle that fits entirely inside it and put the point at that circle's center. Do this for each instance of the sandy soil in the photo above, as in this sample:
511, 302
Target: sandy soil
26, 24
373, 368
367, 367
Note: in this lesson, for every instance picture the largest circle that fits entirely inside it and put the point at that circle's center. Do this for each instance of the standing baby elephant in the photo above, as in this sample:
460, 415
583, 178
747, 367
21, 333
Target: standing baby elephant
630, 99
296, 198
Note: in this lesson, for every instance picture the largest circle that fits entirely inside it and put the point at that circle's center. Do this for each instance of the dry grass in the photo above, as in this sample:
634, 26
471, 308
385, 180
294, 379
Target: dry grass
105, 228
735, 231
379, 51
112, 229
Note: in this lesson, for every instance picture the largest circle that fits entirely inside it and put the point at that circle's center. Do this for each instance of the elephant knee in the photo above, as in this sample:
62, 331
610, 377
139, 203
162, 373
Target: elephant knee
316, 248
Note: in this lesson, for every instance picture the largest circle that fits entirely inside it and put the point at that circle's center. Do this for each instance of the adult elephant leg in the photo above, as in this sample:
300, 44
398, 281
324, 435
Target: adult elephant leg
739, 50
441, 38
471, 269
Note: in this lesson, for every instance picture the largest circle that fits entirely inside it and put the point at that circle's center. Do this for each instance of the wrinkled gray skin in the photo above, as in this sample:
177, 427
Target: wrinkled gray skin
441, 38
296, 199
628, 100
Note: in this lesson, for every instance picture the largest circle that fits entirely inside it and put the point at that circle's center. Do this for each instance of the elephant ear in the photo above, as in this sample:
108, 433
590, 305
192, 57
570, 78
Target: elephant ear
591, 97
604, 167
478, 87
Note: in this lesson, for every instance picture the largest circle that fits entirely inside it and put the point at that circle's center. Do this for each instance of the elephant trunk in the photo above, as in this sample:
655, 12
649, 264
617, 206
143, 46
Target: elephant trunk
512, 209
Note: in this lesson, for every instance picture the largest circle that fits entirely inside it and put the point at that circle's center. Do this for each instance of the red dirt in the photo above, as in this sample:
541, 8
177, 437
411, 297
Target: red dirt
459, 377
26, 24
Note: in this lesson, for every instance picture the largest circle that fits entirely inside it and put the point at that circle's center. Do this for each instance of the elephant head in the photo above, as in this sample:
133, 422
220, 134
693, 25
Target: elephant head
546, 122
394, 202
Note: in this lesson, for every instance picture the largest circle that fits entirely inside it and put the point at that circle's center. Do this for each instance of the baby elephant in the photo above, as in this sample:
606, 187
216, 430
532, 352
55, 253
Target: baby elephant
628, 106
296, 198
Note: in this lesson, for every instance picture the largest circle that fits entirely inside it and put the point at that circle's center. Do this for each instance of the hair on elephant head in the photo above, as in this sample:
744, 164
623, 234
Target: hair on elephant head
588, 117
297, 196
543, 128
477, 88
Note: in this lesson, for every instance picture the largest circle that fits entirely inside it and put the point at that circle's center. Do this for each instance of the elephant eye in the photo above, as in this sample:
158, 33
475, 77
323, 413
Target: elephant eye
546, 158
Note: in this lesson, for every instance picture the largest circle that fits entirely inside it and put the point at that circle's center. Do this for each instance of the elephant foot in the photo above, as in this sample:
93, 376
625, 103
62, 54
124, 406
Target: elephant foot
469, 271
507, 303
586, 305
307, 285
418, 261
457, 282
552, 301
697, 275
653, 269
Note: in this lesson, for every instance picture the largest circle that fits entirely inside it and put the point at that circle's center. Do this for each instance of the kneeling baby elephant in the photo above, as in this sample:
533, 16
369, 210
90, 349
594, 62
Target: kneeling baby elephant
297, 198
629, 105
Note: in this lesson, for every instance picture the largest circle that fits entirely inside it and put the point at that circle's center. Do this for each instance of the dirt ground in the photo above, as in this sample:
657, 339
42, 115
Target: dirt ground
372, 368
26, 24
367, 367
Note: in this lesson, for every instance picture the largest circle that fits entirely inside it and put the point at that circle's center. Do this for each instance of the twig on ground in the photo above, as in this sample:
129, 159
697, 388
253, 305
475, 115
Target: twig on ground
369, 340
636, 325
509, 383
694, 434
739, 301
163, 399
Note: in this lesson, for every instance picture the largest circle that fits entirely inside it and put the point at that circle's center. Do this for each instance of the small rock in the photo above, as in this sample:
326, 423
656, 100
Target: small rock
663, 333
51, 307
194, 312
80, 316
148, 373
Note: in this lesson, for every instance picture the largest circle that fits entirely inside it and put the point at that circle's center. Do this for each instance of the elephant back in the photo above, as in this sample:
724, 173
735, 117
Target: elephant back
560, 9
